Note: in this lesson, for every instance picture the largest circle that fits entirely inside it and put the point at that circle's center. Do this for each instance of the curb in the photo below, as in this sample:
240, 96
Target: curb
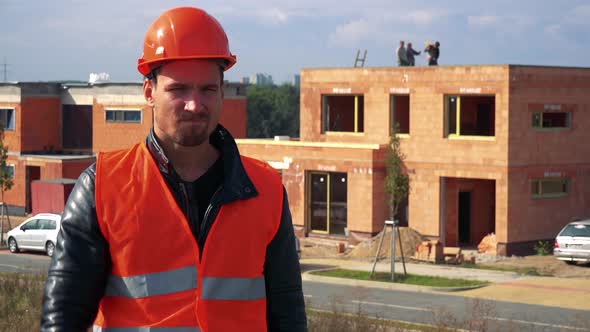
363, 283
458, 289
307, 276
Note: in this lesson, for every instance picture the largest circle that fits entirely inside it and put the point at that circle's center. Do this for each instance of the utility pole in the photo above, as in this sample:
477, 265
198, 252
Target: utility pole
4, 71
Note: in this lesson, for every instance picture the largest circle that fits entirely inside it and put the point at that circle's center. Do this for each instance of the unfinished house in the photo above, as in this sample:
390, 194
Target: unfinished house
489, 149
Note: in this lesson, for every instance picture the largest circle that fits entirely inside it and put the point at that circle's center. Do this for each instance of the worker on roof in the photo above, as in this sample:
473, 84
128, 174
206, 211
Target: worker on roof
179, 232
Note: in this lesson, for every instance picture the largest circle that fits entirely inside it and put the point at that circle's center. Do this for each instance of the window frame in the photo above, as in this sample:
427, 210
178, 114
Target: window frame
568, 120
393, 122
11, 166
13, 122
325, 113
538, 193
329, 202
122, 113
457, 133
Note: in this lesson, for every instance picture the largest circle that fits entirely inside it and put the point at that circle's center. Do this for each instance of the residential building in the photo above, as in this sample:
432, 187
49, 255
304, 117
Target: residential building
261, 79
488, 149
54, 130
296, 80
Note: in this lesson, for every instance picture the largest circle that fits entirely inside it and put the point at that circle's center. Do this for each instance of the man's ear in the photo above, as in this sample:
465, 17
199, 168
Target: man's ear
148, 90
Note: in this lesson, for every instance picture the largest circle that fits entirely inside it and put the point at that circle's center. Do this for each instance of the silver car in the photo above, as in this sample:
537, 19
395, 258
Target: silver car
36, 233
573, 242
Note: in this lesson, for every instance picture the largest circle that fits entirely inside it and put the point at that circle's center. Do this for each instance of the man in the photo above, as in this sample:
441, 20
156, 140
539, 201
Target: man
433, 53
402, 57
410, 55
179, 233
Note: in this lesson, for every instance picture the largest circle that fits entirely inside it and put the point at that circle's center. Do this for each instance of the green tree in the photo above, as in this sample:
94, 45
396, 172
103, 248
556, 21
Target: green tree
397, 182
273, 110
6, 181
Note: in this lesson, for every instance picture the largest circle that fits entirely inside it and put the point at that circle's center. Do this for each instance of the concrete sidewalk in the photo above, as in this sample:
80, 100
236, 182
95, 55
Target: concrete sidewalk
506, 286
447, 271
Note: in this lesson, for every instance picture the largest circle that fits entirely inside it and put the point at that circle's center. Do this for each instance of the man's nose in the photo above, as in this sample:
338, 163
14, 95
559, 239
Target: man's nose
193, 100
190, 105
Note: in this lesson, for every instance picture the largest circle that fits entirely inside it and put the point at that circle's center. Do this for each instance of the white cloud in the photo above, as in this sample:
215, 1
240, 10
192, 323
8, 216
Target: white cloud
579, 15
482, 20
553, 30
423, 17
274, 15
351, 33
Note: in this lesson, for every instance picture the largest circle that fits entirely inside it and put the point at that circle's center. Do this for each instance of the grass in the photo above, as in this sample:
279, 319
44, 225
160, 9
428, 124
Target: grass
529, 271
409, 279
338, 321
20, 301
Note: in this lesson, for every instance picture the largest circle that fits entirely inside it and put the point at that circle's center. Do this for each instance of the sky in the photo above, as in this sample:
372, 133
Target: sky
69, 39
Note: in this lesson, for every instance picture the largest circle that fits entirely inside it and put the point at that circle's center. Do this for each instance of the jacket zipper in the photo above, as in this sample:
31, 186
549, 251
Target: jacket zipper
206, 216
186, 204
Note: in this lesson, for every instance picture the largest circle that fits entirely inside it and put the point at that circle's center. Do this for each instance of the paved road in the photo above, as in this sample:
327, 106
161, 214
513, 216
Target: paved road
436, 308
406, 305
29, 262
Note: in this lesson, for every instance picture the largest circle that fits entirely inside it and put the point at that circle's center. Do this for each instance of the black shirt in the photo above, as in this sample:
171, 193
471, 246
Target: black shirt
199, 194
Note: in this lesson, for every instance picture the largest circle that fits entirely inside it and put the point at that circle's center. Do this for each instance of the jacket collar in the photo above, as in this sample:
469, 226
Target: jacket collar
236, 183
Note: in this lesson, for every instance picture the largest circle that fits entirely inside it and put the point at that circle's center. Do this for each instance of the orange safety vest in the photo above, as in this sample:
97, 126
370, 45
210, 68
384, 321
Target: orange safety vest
157, 279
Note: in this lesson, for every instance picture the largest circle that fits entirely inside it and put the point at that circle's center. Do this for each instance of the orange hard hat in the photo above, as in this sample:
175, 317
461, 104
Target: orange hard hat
184, 33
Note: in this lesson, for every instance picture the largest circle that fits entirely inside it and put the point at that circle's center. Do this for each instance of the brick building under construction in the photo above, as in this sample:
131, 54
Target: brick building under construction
498, 148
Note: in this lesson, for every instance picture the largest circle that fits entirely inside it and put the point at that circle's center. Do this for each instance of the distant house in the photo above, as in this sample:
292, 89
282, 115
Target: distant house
54, 130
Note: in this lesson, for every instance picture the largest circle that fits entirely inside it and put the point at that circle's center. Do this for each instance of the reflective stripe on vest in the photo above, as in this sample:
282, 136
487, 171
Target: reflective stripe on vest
145, 329
153, 284
233, 288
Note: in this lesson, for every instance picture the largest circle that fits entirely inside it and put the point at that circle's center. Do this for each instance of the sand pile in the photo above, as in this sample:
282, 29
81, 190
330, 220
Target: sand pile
410, 239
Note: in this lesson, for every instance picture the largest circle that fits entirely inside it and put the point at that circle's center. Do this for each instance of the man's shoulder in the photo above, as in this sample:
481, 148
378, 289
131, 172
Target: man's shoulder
117, 155
258, 164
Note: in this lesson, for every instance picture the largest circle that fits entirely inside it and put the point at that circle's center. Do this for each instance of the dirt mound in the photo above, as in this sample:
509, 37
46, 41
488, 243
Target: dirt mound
409, 240
545, 265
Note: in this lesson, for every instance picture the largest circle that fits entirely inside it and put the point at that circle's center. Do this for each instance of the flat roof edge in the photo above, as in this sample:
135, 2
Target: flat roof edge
262, 141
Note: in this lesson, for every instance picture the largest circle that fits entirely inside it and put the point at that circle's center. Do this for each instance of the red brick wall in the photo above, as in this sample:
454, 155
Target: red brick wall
110, 136
233, 117
541, 218
73, 169
535, 153
16, 195
12, 138
429, 154
356, 162
41, 124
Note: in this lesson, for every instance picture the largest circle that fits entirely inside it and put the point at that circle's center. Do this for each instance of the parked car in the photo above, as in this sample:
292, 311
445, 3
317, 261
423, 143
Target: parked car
36, 233
573, 242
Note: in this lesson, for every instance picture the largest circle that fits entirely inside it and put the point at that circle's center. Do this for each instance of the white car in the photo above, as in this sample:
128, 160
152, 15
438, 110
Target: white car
36, 233
572, 244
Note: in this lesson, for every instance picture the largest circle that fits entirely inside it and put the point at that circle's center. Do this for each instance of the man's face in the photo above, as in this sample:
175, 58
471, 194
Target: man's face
186, 100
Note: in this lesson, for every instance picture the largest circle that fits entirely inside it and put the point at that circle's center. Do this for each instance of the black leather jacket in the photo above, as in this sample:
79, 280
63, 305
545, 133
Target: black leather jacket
81, 262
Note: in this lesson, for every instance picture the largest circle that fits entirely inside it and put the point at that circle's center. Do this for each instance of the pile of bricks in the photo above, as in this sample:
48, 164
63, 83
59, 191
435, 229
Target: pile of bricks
431, 251
453, 255
488, 245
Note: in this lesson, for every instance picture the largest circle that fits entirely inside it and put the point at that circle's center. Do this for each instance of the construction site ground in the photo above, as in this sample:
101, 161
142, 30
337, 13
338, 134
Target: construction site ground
365, 251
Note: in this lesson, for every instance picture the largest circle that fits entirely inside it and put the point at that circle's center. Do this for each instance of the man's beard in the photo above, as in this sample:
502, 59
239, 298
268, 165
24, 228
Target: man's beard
192, 136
